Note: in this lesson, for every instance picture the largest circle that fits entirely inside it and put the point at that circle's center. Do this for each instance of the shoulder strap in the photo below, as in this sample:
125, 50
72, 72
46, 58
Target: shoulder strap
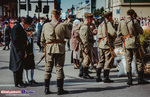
54, 28
101, 28
127, 26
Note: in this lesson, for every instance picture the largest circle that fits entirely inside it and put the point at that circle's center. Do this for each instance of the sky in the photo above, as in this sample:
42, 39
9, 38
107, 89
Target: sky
67, 4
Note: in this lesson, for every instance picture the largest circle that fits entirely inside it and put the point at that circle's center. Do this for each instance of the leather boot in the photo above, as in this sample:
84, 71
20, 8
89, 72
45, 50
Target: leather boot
81, 71
106, 77
4, 48
8, 47
47, 91
61, 91
129, 82
98, 73
140, 78
85, 73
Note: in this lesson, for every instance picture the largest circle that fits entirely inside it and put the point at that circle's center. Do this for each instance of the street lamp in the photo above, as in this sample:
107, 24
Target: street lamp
130, 4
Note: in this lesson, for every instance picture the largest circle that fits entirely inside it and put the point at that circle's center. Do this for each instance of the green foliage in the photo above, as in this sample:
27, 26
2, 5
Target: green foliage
144, 38
98, 12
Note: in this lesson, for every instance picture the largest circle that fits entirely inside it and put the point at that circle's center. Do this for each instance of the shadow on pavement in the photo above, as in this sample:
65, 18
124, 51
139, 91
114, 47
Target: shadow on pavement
96, 89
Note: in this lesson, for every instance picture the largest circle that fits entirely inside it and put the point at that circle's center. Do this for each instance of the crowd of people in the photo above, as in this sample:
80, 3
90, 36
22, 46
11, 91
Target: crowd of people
93, 42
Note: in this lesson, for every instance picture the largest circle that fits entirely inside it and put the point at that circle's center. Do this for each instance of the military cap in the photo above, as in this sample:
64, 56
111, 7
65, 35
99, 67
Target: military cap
130, 12
28, 20
88, 15
107, 14
55, 12
30, 29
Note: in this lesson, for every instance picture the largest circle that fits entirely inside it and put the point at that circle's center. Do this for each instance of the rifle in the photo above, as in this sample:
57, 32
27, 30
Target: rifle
113, 55
141, 53
40, 60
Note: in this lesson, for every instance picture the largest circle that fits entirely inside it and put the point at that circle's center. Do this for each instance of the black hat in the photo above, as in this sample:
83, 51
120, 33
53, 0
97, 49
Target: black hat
29, 29
28, 20
5, 22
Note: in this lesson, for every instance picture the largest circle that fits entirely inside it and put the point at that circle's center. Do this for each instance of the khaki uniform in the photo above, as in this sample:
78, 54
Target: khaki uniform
86, 36
69, 24
80, 46
130, 42
105, 59
55, 52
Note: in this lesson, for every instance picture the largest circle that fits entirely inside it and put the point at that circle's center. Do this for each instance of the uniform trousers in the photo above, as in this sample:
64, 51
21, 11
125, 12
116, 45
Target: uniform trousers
129, 53
105, 59
87, 59
57, 60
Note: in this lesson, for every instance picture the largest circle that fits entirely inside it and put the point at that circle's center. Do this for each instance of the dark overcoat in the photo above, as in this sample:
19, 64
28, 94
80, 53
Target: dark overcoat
18, 46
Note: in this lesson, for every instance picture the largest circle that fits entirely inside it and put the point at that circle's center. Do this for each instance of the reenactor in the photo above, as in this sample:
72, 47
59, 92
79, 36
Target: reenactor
69, 23
86, 43
53, 35
129, 30
80, 52
105, 60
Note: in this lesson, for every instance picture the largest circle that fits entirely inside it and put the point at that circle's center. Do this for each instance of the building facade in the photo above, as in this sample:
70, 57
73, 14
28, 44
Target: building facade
120, 7
100, 4
10, 7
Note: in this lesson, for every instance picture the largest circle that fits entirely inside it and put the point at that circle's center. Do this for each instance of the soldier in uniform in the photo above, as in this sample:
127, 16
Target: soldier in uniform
80, 51
125, 29
69, 23
53, 35
86, 36
105, 59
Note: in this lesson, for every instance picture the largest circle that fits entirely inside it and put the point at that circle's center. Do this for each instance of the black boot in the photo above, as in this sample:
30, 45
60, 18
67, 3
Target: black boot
47, 91
4, 48
85, 73
98, 73
140, 78
106, 77
81, 71
61, 91
8, 47
129, 82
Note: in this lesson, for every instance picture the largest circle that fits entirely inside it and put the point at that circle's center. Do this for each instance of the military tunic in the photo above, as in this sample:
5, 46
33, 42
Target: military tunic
69, 24
55, 52
86, 36
125, 28
80, 50
105, 59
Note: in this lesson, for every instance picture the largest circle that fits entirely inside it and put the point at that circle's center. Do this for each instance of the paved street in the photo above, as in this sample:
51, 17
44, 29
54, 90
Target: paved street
77, 87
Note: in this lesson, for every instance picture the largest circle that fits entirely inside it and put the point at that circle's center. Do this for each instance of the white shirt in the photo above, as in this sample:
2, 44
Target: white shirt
37, 26
21, 25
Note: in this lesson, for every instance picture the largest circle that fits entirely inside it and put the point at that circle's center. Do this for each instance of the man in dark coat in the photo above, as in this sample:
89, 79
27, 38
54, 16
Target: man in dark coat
18, 52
